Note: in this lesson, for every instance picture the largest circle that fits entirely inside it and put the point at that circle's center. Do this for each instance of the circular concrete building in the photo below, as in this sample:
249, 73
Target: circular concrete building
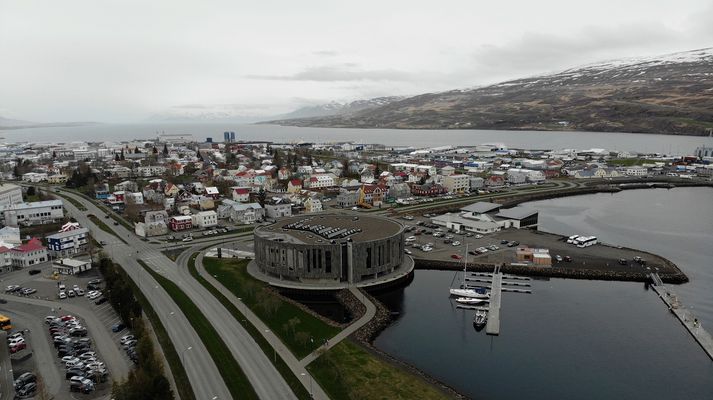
329, 251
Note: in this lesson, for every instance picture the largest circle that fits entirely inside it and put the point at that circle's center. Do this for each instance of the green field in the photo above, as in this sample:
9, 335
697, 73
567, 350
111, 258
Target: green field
235, 379
347, 371
74, 202
626, 162
276, 360
301, 332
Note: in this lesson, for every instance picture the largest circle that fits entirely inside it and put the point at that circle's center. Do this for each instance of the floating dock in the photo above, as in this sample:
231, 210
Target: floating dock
493, 325
508, 283
689, 321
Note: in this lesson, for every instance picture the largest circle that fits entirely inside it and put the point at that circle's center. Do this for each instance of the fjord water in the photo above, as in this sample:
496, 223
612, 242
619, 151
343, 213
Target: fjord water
391, 137
575, 339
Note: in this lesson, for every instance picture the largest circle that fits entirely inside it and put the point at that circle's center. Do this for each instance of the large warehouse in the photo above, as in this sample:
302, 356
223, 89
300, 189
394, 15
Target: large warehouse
330, 251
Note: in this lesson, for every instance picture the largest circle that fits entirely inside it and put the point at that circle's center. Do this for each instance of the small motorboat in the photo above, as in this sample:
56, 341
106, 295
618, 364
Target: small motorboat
477, 293
470, 300
481, 317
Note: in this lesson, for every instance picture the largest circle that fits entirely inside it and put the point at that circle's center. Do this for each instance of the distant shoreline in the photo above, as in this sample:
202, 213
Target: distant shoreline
48, 125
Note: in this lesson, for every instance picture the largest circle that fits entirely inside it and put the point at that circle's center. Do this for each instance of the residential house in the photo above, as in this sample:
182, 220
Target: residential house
101, 191
205, 219
212, 192
128, 186
240, 194
278, 209
636, 170
456, 183
34, 177
347, 198
155, 224
294, 186
399, 191
372, 195
57, 179
428, 189
241, 213
151, 170
28, 254
476, 182
321, 181
180, 223
284, 174
68, 242
495, 181
313, 205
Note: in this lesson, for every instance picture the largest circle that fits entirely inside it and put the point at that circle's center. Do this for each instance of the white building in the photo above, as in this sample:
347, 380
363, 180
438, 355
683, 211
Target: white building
205, 219
35, 213
70, 266
313, 205
636, 170
278, 210
10, 194
30, 253
321, 181
151, 170
456, 183
34, 177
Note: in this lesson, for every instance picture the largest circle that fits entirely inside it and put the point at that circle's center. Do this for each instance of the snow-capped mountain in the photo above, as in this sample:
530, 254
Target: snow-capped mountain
337, 108
669, 94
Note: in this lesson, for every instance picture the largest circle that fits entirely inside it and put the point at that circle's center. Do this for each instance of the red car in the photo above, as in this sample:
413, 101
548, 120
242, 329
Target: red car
456, 256
20, 346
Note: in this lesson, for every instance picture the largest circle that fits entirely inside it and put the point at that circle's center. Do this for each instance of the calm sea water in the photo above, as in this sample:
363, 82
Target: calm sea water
575, 339
409, 137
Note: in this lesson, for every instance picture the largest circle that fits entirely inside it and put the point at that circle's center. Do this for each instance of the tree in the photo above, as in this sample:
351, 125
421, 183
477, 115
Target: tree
190, 168
137, 151
31, 191
154, 150
116, 157
165, 150
122, 155
54, 154
261, 196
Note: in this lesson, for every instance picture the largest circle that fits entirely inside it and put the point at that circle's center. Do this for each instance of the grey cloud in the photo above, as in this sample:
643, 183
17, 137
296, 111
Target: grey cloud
339, 73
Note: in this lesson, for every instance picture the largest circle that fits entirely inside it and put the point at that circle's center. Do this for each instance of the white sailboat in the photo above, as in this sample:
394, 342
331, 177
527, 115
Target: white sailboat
464, 290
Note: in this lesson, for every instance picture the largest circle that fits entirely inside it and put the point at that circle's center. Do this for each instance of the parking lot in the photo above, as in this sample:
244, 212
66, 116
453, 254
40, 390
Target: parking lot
596, 257
96, 320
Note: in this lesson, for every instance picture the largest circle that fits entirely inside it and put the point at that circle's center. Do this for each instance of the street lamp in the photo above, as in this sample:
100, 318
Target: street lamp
311, 395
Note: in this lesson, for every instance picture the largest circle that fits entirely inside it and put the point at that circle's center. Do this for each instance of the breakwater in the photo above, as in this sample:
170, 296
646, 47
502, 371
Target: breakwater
552, 272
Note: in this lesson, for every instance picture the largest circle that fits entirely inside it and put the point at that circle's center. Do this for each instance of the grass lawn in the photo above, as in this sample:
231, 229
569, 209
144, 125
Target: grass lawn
74, 202
302, 337
98, 222
347, 371
626, 162
277, 361
235, 379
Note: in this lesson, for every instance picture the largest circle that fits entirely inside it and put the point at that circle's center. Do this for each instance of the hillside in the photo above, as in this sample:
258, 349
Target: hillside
671, 94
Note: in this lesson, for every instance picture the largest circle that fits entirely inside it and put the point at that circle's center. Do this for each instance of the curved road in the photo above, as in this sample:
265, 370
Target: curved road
263, 376
202, 372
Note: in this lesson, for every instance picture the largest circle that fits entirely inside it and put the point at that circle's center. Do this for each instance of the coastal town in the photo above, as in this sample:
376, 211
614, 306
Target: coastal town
64, 206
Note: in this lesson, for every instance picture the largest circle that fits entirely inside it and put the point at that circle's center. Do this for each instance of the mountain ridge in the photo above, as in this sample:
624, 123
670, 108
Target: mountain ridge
668, 94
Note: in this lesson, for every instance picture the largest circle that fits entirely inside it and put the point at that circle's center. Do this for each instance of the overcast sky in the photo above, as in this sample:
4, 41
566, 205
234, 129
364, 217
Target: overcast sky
123, 61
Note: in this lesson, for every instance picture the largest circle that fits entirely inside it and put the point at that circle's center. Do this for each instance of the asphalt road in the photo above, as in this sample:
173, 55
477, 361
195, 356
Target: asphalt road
263, 376
6, 379
202, 372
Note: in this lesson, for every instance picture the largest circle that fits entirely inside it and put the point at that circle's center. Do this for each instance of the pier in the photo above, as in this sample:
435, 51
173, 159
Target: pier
493, 325
505, 283
689, 321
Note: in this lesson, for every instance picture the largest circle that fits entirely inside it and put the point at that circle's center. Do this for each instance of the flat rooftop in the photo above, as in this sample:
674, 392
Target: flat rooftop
321, 229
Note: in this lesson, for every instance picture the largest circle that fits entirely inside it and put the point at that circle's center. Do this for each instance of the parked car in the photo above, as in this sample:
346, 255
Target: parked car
29, 291
118, 327
12, 288
558, 258
18, 347
126, 338
27, 390
101, 301
34, 271
568, 258
70, 293
456, 256
24, 379
62, 295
